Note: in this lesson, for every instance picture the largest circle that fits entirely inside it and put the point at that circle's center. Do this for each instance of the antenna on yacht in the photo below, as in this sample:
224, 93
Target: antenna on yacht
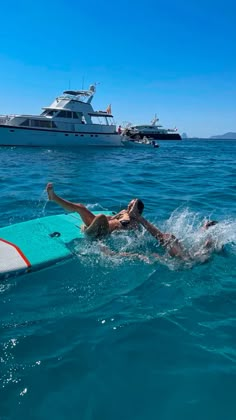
91, 92
155, 119
83, 83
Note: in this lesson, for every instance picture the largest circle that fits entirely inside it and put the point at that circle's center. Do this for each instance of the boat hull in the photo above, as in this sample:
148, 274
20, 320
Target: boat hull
19, 136
174, 136
156, 136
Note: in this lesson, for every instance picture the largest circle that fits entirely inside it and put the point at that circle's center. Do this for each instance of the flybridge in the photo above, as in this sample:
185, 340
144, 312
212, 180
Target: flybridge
78, 94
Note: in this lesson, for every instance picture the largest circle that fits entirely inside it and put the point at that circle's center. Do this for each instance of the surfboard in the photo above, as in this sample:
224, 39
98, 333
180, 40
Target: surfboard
38, 243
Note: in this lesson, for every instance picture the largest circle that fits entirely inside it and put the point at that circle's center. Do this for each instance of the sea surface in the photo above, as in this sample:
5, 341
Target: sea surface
105, 337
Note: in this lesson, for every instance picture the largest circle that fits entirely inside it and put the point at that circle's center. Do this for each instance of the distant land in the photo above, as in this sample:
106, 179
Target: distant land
230, 135
226, 136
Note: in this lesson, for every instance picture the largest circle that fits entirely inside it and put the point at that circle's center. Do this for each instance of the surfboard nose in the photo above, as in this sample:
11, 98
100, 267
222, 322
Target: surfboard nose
12, 258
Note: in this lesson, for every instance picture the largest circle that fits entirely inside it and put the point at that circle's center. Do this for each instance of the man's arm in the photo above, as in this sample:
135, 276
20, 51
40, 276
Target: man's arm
167, 240
153, 230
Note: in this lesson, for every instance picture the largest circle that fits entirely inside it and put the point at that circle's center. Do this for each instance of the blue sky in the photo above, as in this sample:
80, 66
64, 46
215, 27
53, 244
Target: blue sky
173, 58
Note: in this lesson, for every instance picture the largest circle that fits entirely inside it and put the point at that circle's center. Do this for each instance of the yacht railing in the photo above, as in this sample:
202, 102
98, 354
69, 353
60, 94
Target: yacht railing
78, 98
5, 118
9, 116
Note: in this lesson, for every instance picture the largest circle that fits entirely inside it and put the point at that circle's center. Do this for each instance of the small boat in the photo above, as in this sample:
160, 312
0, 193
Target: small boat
140, 142
70, 121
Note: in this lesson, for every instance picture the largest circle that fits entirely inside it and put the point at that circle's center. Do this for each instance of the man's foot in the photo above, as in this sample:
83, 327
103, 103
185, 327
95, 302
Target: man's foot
50, 191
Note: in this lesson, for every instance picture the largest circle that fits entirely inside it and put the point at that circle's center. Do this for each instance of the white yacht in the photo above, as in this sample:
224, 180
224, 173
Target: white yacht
69, 121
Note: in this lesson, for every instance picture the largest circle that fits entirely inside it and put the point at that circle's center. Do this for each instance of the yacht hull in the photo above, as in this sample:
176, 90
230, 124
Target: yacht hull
155, 136
31, 137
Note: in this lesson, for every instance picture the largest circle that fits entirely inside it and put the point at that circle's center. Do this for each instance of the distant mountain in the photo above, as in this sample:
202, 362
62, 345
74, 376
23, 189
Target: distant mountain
228, 136
184, 136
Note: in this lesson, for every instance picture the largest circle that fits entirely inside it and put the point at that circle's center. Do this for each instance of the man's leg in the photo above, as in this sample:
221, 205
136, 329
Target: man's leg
98, 228
84, 213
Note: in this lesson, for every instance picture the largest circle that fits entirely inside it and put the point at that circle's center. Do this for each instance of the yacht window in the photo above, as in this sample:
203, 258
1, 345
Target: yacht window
52, 113
49, 113
41, 123
99, 120
25, 123
110, 120
65, 114
78, 116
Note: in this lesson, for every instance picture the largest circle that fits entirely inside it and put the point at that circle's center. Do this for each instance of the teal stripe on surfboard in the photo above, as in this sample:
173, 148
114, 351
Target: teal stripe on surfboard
38, 241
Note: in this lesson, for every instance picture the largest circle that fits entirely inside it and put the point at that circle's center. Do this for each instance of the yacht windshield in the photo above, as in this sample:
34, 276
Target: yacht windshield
102, 120
49, 113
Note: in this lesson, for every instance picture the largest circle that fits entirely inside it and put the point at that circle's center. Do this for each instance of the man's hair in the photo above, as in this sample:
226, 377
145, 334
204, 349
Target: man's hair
210, 223
140, 206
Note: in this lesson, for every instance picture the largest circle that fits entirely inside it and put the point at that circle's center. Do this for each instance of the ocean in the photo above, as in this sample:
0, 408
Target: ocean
108, 337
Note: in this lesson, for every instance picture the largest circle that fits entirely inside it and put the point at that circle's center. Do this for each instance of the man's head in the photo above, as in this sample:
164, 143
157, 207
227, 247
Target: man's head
209, 223
138, 204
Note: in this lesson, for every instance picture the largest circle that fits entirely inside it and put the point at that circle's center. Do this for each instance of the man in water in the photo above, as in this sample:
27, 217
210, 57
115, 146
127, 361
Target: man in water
100, 225
170, 242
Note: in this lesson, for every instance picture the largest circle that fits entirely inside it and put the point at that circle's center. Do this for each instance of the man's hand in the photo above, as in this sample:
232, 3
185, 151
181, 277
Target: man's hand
133, 212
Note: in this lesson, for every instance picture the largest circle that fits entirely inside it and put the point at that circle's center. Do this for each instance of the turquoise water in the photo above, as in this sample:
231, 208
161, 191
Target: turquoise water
107, 338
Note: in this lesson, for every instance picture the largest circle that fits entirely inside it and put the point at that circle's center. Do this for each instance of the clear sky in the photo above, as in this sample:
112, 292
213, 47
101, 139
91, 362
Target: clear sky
173, 58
